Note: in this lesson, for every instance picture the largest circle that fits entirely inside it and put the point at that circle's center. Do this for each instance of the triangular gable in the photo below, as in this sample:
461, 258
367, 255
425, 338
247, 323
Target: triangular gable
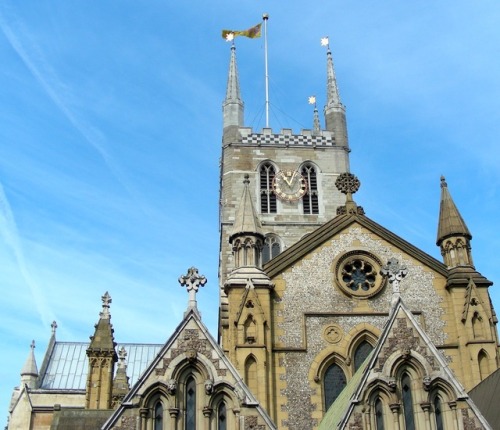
401, 339
204, 346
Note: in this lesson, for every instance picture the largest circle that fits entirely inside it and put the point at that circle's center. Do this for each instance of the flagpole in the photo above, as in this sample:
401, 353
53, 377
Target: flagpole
265, 17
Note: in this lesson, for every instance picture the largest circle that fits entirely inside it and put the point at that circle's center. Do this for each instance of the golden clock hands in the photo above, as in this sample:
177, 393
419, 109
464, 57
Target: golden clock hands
289, 182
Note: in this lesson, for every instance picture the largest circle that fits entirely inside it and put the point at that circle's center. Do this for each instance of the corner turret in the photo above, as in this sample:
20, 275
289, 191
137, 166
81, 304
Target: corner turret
247, 237
453, 236
102, 358
29, 372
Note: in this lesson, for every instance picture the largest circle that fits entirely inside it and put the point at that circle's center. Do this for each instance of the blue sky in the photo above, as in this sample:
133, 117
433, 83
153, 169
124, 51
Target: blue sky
110, 131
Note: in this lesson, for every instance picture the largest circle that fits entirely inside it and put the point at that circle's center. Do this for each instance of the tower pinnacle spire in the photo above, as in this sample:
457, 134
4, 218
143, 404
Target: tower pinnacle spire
29, 372
232, 107
335, 119
453, 236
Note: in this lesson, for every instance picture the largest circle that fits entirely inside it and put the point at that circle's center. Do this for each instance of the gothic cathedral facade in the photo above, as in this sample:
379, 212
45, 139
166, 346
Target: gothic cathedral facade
327, 320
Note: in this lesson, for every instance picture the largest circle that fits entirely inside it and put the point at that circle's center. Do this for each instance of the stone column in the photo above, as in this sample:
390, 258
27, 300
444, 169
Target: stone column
144, 412
426, 407
395, 414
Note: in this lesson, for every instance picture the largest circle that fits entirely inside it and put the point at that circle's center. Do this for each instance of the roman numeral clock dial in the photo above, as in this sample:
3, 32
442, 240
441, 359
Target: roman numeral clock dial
289, 185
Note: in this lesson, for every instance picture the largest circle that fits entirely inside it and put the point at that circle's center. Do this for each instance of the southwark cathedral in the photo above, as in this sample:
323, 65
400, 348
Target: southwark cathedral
327, 320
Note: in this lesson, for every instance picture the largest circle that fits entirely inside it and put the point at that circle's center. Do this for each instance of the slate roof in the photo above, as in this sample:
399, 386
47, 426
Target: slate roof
67, 364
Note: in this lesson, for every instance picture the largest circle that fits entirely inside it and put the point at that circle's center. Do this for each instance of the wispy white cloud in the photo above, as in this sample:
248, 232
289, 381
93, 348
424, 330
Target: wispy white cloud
9, 233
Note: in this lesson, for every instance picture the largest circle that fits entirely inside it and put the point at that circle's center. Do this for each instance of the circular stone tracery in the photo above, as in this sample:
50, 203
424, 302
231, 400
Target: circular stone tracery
357, 274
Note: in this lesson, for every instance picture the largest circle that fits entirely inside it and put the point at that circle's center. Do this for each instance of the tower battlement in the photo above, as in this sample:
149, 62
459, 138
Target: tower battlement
286, 137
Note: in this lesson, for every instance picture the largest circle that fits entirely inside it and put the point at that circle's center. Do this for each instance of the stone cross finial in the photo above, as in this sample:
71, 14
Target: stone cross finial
192, 281
32, 346
348, 184
394, 272
106, 301
122, 356
53, 326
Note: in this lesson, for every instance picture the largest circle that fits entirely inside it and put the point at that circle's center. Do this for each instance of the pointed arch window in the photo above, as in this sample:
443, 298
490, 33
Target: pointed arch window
190, 423
379, 414
310, 200
251, 374
482, 360
438, 413
221, 416
407, 402
272, 247
362, 351
158, 416
267, 196
333, 383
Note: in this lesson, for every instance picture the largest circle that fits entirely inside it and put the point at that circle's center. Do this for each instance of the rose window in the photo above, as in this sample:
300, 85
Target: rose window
357, 274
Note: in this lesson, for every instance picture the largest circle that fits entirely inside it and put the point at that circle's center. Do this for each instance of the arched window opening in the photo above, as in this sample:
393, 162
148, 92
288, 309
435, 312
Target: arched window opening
438, 413
190, 404
251, 374
310, 199
379, 414
484, 368
267, 196
407, 402
221, 416
272, 247
158, 416
362, 351
333, 384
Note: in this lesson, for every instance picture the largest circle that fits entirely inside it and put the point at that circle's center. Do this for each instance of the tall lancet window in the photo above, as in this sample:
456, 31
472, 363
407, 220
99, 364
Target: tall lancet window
438, 414
190, 404
221, 417
158, 417
379, 414
407, 402
333, 384
267, 196
362, 351
310, 199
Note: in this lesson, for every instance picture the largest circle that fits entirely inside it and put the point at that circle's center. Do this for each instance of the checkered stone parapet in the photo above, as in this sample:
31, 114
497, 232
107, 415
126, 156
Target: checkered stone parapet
305, 139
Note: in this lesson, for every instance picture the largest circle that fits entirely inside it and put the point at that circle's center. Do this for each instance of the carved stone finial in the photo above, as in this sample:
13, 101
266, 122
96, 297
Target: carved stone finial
348, 184
122, 356
246, 181
32, 346
106, 301
53, 326
192, 281
443, 182
394, 272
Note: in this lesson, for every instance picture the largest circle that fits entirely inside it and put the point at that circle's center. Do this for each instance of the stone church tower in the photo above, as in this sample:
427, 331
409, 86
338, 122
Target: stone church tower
291, 176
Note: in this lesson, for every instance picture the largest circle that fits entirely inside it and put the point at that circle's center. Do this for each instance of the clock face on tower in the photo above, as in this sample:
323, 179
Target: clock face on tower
289, 185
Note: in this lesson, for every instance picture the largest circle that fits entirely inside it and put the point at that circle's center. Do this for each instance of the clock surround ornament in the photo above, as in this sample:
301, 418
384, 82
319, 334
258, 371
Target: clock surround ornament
289, 185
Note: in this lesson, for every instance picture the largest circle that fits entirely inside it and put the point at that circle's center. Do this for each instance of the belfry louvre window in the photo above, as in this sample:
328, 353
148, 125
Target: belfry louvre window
267, 196
310, 199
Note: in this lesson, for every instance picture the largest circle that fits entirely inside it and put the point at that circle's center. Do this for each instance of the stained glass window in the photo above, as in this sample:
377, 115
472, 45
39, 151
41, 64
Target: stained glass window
362, 351
333, 384
158, 416
407, 402
190, 404
221, 417
379, 414
438, 413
